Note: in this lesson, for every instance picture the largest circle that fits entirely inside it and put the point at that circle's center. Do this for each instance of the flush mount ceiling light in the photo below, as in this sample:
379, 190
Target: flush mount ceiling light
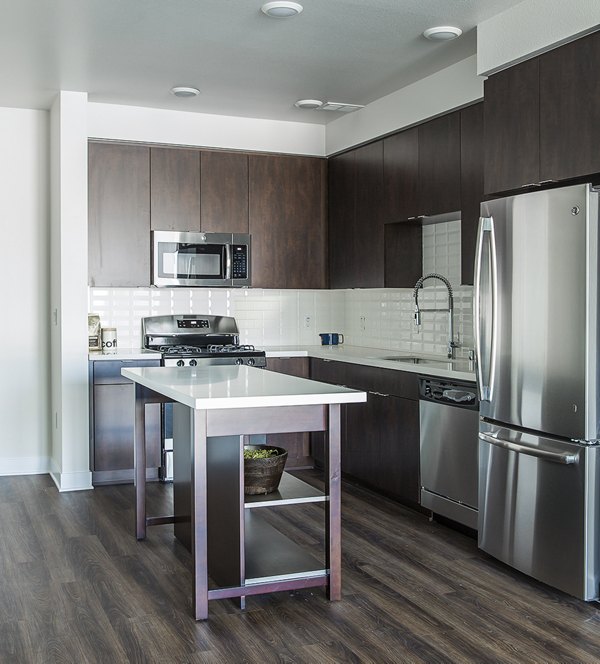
308, 103
281, 9
182, 91
442, 33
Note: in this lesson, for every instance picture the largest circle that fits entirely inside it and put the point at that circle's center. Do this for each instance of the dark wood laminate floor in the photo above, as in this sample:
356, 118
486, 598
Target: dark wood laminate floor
75, 586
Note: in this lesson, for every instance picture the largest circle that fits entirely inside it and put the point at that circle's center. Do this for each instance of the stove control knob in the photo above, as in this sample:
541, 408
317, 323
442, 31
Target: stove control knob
239, 360
193, 363
180, 363
251, 361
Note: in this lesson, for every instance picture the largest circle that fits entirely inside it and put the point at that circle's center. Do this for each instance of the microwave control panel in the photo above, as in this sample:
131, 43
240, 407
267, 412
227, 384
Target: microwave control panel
239, 261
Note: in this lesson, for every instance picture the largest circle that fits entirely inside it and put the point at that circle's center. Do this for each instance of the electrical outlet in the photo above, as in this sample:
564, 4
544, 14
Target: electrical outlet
363, 323
307, 321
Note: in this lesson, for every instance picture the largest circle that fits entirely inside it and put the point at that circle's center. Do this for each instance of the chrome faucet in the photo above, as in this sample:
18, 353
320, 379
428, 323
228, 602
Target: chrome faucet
418, 311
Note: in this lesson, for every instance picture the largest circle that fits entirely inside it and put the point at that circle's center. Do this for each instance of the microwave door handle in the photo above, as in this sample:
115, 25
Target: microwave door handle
227, 261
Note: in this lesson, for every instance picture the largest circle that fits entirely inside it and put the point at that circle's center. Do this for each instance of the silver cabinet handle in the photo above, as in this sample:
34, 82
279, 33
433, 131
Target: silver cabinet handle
555, 457
378, 394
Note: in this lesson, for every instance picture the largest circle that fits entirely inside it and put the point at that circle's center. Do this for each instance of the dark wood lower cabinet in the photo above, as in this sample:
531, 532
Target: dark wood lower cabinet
111, 424
296, 444
380, 438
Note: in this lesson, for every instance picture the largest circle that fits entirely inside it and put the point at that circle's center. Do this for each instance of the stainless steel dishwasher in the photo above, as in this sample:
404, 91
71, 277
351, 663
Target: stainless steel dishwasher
449, 419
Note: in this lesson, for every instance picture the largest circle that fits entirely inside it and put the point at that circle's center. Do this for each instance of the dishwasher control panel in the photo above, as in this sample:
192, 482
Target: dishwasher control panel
453, 393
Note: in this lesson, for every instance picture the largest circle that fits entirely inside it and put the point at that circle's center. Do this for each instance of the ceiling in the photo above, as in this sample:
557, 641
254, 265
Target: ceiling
245, 64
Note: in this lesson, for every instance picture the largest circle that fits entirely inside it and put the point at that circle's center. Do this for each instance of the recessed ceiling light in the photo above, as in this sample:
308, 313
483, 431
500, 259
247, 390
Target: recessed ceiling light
281, 9
182, 91
308, 103
442, 33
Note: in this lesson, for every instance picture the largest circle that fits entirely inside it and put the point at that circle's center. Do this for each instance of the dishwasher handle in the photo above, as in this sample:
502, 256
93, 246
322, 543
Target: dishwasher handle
459, 396
546, 455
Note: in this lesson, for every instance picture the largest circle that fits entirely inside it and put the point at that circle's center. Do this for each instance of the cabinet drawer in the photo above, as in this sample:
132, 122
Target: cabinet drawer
108, 372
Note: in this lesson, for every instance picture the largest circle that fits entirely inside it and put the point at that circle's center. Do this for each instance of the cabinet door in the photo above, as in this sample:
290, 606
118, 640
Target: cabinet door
174, 189
341, 178
287, 221
570, 110
113, 429
360, 441
511, 120
397, 468
224, 177
471, 185
403, 244
119, 215
439, 165
400, 176
296, 444
367, 230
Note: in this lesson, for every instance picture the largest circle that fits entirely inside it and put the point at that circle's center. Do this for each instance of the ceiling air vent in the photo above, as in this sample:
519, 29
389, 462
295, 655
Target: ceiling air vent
339, 107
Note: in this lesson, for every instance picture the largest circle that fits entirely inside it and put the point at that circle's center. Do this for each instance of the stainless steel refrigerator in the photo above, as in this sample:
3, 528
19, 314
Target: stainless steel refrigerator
536, 332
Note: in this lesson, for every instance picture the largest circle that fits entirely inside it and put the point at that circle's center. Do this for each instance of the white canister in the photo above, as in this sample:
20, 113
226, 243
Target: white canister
109, 340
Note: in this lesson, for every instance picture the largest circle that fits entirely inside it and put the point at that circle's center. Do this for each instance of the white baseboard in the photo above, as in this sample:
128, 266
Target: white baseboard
36, 465
80, 480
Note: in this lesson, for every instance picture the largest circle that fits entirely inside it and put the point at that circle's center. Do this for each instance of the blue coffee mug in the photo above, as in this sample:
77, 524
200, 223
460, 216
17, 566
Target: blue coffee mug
331, 339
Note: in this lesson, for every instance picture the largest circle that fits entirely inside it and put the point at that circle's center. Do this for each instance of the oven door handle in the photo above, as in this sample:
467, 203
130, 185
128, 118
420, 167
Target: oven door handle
228, 261
555, 457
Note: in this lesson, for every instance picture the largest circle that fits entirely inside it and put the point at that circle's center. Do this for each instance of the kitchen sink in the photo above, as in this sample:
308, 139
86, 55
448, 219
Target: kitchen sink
413, 359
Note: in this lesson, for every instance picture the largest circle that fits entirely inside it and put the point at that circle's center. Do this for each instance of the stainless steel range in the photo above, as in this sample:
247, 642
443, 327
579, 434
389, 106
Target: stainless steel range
198, 340
191, 340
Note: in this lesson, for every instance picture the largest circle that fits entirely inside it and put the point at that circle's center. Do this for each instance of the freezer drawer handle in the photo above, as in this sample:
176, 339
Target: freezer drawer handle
555, 457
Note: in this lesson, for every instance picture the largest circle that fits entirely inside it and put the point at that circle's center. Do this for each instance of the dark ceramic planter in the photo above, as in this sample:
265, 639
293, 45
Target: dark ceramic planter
263, 475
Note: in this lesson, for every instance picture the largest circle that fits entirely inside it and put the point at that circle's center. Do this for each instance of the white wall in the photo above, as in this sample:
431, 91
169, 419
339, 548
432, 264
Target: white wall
69, 272
24, 275
439, 93
151, 125
532, 27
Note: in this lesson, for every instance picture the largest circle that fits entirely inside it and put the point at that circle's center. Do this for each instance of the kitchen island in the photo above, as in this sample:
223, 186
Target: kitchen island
215, 409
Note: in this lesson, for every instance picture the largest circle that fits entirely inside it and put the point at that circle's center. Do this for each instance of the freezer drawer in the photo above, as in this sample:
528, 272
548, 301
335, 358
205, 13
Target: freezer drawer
538, 506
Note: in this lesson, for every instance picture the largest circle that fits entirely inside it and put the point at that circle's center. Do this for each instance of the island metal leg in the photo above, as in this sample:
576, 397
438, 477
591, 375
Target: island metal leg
333, 525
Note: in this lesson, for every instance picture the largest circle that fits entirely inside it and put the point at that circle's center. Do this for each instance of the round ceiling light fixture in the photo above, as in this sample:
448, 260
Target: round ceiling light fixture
442, 33
281, 9
184, 92
309, 103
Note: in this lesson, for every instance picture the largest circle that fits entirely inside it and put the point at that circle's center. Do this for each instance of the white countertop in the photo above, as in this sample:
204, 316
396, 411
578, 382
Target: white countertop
124, 354
373, 357
459, 369
219, 387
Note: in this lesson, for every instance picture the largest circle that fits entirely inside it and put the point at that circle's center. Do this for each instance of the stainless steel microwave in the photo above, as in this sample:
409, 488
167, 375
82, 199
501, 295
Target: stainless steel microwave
200, 259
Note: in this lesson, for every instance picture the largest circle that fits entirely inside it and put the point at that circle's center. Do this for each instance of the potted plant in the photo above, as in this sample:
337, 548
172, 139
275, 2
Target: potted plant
263, 468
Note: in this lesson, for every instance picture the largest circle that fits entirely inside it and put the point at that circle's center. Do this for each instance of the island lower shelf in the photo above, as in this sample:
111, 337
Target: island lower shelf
269, 554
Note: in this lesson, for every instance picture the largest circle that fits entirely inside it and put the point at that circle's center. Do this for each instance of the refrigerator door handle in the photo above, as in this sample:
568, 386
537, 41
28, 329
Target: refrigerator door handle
485, 385
546, 455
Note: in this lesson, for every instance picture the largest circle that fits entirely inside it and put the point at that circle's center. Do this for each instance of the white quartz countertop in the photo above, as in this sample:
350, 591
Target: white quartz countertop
219, 387
428, 365
124, 354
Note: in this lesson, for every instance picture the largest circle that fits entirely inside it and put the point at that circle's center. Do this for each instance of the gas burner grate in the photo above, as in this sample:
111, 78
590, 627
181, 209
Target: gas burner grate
230, 348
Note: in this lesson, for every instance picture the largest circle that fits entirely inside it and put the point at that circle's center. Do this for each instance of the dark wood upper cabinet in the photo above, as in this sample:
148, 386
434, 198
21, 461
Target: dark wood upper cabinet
401, 176
511, 120
471, 184
403, 254
287, 221
174, 189
224, 178
439, 165
570, 110
368, 249
341, 178
118, 215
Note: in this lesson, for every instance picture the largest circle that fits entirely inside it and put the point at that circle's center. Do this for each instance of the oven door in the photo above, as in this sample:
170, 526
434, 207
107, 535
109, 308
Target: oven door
191, 259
